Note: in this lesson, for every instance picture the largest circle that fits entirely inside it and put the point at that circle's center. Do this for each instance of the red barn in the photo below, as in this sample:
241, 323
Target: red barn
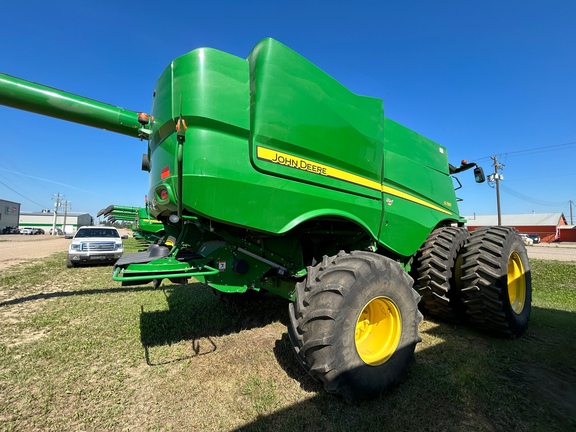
546, 225
567, 233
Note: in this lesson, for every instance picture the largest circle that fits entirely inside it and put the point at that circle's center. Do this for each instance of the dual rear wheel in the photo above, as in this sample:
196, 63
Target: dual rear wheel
482, 278
497, 281
354, 323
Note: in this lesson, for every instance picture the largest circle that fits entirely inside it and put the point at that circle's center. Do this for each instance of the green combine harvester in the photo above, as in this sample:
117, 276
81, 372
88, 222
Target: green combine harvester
270, 176
144, 227
115, 213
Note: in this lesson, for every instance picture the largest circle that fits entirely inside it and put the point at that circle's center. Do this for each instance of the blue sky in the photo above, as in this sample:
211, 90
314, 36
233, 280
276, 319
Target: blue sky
483, 78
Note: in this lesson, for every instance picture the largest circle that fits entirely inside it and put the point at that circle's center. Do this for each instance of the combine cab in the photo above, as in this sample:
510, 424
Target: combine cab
269, 176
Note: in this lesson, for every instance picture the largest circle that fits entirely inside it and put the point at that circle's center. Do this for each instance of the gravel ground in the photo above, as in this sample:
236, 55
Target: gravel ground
553, 251
15, 248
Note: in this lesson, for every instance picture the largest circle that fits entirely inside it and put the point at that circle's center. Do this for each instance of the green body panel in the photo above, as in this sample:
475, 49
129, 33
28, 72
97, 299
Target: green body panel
416, 167
223, 173
299, 110
273, 141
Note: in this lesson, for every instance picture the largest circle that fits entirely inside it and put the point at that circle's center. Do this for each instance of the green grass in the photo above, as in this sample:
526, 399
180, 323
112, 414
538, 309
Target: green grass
80, 352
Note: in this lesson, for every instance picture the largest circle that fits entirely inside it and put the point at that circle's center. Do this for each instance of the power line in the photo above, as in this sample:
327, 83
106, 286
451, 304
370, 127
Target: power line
26, 198
50, 181
543, 149
25, 182
541, 177
530, 199
532, 150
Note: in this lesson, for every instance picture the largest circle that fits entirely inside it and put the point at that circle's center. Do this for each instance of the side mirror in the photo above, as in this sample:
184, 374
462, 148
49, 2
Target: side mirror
479, 176
145, 162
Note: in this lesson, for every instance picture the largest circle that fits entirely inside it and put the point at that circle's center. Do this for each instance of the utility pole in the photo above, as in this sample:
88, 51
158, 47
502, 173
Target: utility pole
496, 178
67, 206
571, 220
57, 197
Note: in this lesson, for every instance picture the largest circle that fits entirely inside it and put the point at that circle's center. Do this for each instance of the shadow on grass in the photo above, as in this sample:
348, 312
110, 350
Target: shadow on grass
465, 380
195, 315
57, 294
468, 381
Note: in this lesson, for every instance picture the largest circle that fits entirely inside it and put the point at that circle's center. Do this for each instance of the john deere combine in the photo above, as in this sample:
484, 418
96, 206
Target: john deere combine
144, 227
268, 175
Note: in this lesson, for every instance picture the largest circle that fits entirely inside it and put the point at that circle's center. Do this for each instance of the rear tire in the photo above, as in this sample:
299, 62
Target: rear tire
497, 280
437, 273
354, 324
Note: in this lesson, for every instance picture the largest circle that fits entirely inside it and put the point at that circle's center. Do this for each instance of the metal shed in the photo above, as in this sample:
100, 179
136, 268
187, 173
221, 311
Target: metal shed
45, 220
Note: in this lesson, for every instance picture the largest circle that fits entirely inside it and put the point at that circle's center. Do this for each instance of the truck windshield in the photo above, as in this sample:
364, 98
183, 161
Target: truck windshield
96, 232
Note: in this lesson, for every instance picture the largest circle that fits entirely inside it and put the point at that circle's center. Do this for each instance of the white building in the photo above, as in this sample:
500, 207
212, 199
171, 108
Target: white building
9, 214
45, 220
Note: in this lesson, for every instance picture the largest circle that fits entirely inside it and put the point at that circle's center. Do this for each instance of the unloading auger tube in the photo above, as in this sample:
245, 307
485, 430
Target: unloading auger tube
40, 99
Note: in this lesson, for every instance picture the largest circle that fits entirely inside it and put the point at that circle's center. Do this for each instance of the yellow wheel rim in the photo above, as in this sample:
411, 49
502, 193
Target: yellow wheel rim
516, 283
378, 331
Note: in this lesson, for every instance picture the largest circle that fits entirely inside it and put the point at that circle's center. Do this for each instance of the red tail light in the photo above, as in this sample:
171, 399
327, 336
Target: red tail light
165, 172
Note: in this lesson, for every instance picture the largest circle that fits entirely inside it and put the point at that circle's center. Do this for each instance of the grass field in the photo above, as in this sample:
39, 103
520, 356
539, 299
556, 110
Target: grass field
80, 352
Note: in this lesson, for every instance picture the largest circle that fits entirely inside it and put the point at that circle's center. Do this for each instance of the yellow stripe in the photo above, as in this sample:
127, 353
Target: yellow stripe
285, 159
290, 161
400, 194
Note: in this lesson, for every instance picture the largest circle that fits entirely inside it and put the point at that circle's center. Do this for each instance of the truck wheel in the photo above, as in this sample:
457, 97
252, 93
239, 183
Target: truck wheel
437, 272
497, 289
69, 263
354, 324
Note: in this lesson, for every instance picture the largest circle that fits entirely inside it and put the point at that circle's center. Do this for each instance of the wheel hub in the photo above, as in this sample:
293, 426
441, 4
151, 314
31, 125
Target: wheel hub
378, 331
516, 283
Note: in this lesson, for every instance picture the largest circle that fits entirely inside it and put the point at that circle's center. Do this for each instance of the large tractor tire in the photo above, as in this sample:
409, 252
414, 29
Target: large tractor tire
437, 272
497, 289
354, 324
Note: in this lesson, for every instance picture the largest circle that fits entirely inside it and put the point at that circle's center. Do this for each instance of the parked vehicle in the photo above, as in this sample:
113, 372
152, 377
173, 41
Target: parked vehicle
527, 240
94, 244
10, 230
31, 231
58, 231
535, 238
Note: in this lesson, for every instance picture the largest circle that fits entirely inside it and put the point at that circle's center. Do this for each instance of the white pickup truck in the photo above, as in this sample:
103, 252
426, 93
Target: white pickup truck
94, 244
